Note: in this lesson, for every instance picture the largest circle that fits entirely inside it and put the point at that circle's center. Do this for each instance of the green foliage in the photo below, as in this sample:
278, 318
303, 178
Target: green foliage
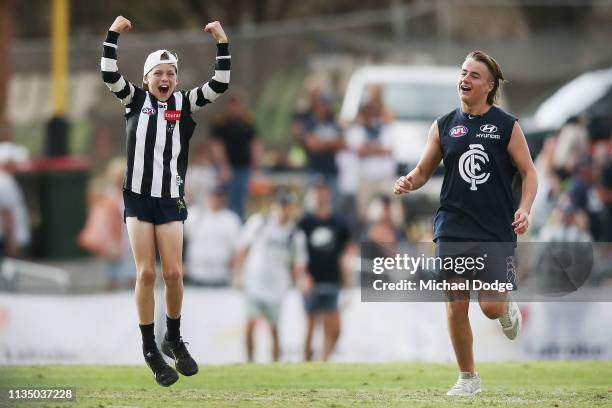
277, 104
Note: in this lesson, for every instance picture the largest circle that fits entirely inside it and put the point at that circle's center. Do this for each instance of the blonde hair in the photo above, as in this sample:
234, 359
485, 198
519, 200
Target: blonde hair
494, 70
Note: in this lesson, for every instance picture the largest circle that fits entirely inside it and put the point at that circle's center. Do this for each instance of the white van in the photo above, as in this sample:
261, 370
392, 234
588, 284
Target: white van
589, 93
416, 96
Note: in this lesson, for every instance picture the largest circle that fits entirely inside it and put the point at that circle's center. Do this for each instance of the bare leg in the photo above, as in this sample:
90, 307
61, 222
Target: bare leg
142, 240
331, 325
461, 333
250, 331
275, 344
308, 341
170, 244
492, 303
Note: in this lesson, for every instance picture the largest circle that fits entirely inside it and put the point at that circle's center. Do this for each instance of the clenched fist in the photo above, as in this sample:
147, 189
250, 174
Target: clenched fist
216, 31
403, 185
120, 25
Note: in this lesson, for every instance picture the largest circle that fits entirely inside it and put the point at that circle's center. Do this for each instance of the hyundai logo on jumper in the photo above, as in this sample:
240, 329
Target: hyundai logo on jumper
489, 132
488, 128
148, 111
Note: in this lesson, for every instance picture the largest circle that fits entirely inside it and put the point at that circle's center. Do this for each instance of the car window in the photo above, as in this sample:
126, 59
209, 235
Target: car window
418, 101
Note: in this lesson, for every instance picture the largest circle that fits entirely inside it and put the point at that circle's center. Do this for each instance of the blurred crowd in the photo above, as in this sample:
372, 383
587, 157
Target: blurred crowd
243, 233
574, 200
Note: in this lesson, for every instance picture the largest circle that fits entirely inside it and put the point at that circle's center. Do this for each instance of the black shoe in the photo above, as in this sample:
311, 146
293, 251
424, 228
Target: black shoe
164, 374
176, 350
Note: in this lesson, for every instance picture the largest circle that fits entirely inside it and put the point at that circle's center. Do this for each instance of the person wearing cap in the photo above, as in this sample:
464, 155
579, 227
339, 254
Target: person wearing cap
270, 250
159, 127
211, 233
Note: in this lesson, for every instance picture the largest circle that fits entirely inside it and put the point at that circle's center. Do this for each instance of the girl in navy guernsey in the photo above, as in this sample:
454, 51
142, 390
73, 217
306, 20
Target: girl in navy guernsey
159, 127
482, 147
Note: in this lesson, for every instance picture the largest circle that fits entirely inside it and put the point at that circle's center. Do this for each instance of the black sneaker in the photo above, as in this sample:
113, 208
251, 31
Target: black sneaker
164, 374
176, 350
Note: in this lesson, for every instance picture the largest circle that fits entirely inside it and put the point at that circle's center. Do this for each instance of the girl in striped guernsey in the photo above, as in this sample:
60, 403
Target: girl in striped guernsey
159, 128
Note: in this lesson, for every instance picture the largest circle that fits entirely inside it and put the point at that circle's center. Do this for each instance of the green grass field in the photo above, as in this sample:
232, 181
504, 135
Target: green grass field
532, 384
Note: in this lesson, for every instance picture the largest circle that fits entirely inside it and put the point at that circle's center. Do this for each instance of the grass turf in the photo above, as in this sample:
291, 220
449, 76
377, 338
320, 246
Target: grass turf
530, 384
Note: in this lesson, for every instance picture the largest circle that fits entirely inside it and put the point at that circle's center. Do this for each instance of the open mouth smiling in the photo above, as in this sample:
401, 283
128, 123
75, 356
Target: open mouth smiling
163, 90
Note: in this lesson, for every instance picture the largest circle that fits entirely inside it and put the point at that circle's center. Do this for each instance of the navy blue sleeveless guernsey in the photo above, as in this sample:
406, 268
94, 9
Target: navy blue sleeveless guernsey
476, 198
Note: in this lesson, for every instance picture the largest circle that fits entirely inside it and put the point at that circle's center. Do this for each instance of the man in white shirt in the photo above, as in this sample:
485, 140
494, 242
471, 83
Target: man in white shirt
211, 233
371, 140
270, 249
14, 224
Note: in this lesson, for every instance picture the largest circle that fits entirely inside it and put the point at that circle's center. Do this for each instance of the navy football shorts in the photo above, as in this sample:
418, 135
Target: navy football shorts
490, 261
153, 209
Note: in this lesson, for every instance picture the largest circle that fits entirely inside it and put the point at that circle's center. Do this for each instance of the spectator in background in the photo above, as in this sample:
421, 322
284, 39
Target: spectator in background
383, 231
104, 235
304, 110
568, 223
572, 143
271, 249
600, 127
371, 141
348, 160
14, 223
348, 187
549, 186
584, 196
236, 151
379, 237
377, 104
566, 237
604, 191
202, 174
328, 239
211, 232
322, 139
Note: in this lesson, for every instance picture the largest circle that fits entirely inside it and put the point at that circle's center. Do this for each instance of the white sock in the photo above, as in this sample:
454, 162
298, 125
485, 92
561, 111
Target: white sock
466, 375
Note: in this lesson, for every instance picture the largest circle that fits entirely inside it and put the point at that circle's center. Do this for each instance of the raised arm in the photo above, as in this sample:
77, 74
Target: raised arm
211, 90
429, 162
122, 89
519, 151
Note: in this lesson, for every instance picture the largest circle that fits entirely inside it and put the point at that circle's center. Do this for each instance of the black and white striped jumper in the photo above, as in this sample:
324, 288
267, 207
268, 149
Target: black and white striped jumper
158, 133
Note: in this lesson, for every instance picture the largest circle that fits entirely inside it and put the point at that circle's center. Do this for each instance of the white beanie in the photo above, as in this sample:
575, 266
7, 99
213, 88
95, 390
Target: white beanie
154, 59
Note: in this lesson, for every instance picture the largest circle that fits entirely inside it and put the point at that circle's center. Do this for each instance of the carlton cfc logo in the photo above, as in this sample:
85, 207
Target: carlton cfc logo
458, 131
469, 166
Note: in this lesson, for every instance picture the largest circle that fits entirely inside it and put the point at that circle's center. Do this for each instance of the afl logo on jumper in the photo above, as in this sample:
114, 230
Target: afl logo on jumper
148, 111
469, 166
458, 131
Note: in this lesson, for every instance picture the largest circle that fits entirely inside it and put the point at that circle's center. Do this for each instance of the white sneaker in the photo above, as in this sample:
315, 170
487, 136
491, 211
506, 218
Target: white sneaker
511, 321
466, 385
